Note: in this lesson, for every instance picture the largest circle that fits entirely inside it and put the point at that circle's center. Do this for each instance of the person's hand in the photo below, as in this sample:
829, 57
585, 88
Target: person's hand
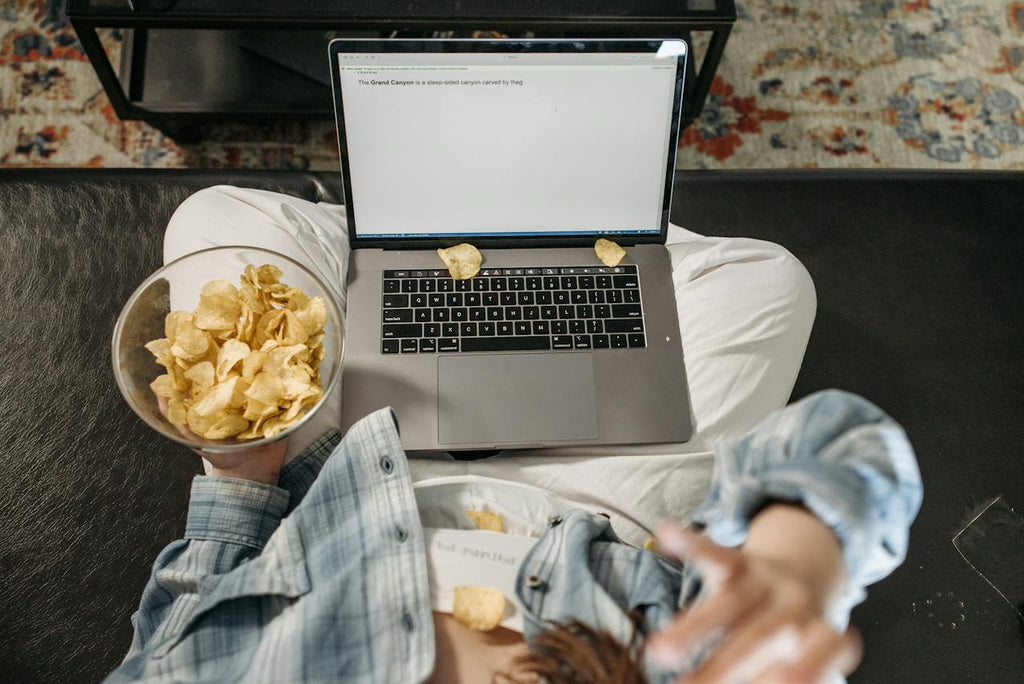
262, 464
764, 620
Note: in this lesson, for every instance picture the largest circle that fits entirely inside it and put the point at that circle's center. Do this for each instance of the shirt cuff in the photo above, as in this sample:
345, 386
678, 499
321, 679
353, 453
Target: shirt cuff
234, 510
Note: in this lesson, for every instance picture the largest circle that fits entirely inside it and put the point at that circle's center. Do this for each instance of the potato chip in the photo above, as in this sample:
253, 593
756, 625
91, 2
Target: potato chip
255, 431
608, 252
268, 274
161, 350
245, 329
282, 326
251, 298
280, 357
650, 544
229, 425
227, 333
258, 411
177, 412
252, 364
163, 386
172, 321
485, 520
266, 388
313, 316
202, 377
216, 400
303, 401
238, 397
291, 330
190, 343
292, 298
479, 608
245, 363
218, 306
462, 261
294, 382
229, 356
200, 423
310, 370
181, 383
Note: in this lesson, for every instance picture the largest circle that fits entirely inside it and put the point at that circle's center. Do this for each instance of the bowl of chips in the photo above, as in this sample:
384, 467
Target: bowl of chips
229, 348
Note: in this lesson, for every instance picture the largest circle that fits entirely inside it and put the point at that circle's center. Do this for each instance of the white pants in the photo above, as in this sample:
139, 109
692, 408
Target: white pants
745, 314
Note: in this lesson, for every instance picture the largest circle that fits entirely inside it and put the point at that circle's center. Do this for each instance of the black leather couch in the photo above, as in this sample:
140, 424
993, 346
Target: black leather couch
920, 280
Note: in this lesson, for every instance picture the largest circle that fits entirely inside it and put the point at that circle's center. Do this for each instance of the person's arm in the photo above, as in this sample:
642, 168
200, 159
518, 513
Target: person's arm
231, 515
229, 522
817, 502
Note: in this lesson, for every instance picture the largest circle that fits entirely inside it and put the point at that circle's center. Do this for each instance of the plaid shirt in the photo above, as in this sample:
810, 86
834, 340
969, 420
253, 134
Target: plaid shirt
323, 577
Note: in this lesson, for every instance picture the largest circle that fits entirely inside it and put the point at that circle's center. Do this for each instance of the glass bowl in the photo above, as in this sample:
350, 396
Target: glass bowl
176, 287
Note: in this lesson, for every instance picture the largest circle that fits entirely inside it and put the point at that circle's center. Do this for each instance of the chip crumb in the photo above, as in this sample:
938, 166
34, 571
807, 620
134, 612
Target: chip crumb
650, 544
485, 520
479, 608
462, 261
610, 253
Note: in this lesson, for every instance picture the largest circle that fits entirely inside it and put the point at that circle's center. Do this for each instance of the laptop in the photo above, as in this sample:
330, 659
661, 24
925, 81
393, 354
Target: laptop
530, 150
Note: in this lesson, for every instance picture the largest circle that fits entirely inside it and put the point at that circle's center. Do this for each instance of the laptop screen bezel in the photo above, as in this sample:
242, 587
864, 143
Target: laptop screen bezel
604, 45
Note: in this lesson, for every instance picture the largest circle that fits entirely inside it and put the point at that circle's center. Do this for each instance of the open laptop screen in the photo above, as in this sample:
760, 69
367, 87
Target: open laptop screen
507, 143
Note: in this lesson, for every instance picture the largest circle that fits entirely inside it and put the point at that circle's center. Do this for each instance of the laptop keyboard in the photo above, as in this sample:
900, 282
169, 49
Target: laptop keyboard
512, 309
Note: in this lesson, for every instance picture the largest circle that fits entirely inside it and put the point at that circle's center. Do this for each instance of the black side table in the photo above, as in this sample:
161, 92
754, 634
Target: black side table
185, 60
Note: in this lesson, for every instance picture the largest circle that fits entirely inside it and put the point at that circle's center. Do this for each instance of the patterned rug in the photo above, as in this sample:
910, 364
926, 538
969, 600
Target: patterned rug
845, 83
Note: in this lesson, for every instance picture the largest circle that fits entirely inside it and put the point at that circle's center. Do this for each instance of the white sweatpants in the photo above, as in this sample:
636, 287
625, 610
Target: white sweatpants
745, 313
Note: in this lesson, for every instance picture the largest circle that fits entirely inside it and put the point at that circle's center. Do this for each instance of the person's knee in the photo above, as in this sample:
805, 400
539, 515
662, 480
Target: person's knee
214, 216
790, 281
202, 203
188, 228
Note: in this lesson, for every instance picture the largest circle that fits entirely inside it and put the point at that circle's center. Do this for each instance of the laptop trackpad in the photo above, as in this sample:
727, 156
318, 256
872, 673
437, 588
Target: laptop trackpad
501, 399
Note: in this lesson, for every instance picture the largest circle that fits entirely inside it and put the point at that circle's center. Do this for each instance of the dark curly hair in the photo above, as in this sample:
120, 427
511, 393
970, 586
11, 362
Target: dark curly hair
572, 652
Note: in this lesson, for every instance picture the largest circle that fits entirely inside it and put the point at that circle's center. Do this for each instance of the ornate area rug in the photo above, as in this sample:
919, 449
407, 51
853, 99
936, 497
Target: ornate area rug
844, 83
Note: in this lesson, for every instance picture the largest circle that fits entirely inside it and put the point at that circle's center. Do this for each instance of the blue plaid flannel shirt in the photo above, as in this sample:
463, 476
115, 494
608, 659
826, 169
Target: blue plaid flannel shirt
323, 577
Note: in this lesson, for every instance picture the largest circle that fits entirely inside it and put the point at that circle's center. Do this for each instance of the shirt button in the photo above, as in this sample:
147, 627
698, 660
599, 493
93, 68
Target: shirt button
401, 534
534, 582
386, 465
409, 622
555, 520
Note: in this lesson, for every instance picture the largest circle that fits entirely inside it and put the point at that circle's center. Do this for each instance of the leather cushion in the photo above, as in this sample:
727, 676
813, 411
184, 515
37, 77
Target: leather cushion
920, 281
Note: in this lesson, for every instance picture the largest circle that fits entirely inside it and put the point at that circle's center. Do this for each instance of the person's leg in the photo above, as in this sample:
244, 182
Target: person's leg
745, 314
313, 234
746, 308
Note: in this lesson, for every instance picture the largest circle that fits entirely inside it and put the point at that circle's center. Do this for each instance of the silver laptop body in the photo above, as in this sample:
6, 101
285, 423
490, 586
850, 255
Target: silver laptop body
529, 150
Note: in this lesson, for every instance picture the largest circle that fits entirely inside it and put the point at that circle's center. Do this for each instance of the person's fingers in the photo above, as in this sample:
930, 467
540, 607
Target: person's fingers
852, 652
690, 632
825, 652
747, 654
716, 564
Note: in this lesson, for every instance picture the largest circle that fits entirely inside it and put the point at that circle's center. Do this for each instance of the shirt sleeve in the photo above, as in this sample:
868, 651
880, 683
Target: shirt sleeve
300, 474
840, 457
229, 522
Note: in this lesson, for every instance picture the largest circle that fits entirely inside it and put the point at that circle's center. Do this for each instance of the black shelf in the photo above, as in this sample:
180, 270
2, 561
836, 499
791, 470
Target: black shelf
189, 60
